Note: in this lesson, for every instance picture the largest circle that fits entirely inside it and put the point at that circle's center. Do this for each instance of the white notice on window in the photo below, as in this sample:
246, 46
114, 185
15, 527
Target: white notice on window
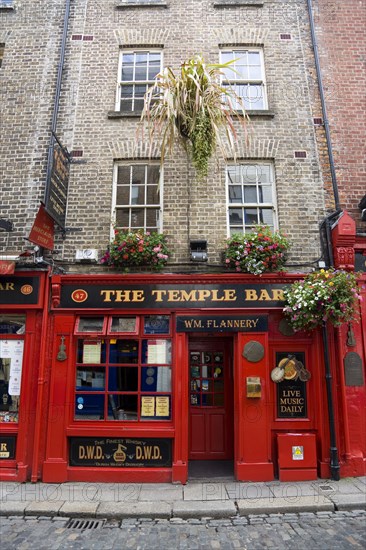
14, 352
91, 352
157, 352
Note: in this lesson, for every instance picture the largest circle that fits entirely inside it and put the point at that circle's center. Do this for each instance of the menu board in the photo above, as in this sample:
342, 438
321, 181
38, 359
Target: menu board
91, 352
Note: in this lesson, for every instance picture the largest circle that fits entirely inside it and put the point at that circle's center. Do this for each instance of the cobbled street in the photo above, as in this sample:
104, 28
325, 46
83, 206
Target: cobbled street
311, 531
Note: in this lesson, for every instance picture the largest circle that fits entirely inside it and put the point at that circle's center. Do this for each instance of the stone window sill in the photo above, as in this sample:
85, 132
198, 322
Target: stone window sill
236, 3
266, 113
119, 114
145, 4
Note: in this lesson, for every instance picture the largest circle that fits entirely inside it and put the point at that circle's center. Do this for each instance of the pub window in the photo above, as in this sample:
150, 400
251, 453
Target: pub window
137, 197
250, 196
12, 327
121, 377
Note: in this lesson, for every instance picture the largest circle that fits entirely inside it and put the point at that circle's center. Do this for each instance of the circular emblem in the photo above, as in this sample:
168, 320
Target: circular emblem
79, 295
253, 351
288, 365
277, 374
26, 289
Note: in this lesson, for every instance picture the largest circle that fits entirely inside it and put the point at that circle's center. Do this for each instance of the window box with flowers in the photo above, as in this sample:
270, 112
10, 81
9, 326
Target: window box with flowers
323, 296
136, 249
256, 252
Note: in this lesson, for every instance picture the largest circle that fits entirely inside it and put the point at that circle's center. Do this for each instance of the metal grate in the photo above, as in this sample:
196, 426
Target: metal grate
82, 524
326, 488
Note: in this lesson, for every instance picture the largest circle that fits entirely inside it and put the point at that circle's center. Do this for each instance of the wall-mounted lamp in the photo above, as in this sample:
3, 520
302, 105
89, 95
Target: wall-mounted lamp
198, 250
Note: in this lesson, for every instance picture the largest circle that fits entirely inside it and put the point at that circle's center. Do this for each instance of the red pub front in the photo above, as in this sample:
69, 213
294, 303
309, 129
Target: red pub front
153, 373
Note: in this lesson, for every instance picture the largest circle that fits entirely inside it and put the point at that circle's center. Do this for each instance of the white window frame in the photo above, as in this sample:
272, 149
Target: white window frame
234, 79
257, 205
145, 206
121, 82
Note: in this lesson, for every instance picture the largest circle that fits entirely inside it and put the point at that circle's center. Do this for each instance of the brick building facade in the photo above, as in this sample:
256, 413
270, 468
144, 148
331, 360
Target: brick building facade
141, 374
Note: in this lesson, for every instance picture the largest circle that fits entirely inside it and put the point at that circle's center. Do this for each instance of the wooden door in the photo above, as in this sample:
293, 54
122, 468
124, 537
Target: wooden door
210, 400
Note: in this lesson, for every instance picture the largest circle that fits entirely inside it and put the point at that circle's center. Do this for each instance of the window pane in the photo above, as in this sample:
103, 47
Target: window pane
250, 216
123, 194
226, 56
255, 73
141, 73
137, 218
265, 193
127, 58
138, 174
124, 351
90, 324
122, 407
156, 352
233, 173
126, 91
137, 194
264, 174
123, 324
126, 105
123, 175
127, 73
153, 174
89, 407
152, 194
122, 217
123, 379
236, 216
241, 73
249, 172
156, 324
235, 194
250, 193
12, 324
266, 217
154, 69
141, 58
254, 58
154, 57
156, 379
90, 378
10, 370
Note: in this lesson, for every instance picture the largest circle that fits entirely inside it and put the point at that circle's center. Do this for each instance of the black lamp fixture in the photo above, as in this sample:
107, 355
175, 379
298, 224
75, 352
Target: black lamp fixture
198, 251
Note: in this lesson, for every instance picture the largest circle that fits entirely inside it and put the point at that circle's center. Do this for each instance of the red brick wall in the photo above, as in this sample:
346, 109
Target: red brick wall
340, 31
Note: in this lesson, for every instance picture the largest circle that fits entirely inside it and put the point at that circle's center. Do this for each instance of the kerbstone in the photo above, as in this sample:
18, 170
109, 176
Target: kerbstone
134, 510
214, 509
78, 509
43, 508
281, 505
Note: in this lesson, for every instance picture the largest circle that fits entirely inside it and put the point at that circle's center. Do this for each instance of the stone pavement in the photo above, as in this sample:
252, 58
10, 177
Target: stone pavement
194, 500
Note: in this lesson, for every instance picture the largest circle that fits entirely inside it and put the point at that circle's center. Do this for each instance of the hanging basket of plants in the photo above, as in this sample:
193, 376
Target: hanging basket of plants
193, 107
257, 252
323, 296
136, 249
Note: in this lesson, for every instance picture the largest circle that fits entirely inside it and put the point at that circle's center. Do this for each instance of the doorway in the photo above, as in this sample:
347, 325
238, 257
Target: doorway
211, 401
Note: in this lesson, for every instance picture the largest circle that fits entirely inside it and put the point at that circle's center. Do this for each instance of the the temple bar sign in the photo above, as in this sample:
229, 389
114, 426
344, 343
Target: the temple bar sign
178, 296
240, 323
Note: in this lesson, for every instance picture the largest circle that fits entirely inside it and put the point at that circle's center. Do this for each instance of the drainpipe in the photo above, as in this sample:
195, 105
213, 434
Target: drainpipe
334, 459
57, 95
42, 378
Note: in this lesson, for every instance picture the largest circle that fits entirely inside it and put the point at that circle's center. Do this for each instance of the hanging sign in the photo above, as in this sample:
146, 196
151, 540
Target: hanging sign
7, 267
43, 230
57, 184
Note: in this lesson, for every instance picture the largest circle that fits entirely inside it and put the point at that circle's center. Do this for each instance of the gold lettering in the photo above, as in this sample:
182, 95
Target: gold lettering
202, 295
229, 295
277, 294
251, 294
264, 296
188, 296
3, 447
106, 294
158, 295
6, 286
174, 296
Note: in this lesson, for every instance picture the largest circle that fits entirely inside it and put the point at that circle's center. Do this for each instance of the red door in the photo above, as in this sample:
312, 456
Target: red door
211, 400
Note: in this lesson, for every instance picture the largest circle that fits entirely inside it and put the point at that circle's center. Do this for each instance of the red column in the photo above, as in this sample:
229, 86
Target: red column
252, 428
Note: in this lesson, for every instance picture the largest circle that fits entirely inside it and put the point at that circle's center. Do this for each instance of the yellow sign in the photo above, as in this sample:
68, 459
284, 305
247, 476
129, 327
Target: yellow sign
162, 405
147, 405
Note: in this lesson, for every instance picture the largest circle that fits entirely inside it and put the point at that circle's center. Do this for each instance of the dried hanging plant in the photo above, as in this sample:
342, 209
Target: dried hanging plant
193, 107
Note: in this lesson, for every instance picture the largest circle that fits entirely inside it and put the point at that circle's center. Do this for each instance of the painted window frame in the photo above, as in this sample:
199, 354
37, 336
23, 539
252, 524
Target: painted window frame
145, 206
232, 79
259, 206
124, 83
